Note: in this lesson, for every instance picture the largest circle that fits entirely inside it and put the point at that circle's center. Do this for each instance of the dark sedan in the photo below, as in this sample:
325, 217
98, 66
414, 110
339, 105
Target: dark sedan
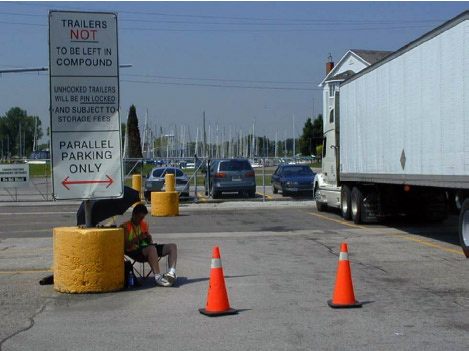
293, 179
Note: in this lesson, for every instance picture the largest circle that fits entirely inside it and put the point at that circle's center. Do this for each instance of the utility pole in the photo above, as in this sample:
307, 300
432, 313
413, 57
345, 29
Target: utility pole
294, 151
205, 139
19, 146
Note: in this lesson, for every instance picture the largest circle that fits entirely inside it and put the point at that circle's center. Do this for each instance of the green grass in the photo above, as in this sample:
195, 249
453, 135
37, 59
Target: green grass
37, 171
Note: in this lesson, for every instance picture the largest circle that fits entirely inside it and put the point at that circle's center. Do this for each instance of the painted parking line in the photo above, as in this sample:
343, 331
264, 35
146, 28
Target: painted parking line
27, 272
401, 236
202, 197
266, 195
25, 250
29, 231
34, 213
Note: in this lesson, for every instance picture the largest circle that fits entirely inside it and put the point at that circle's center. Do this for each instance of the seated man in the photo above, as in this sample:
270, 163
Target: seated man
139, 242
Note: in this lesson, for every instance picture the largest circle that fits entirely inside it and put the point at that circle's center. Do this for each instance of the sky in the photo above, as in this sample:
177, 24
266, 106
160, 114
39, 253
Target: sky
240, 62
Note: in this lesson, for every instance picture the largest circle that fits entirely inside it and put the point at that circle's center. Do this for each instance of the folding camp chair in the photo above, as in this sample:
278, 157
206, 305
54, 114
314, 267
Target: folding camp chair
140, 272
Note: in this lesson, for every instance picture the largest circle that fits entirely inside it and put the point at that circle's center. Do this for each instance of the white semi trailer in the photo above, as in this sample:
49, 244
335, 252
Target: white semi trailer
398, 141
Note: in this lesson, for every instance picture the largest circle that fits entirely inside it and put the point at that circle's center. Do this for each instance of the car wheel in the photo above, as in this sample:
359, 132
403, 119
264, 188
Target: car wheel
284, 192
147, 195
274, 189
215, 194
252, 193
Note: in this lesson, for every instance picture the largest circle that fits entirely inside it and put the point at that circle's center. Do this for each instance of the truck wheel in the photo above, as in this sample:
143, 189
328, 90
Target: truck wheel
215, 194
435, 206
319, 205
345, 197
274, 189
356, 205
464, 227
455, 200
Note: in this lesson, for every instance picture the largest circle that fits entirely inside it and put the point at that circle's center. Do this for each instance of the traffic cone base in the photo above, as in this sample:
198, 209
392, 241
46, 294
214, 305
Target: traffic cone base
352, 305
215, 314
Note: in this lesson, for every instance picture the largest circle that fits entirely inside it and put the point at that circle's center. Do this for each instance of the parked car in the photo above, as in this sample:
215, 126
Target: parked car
293, 179
156, 179
230, 175
39, 157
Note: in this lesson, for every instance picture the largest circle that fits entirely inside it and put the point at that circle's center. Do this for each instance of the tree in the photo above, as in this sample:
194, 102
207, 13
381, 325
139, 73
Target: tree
312, 136
135, 143
306, 138
14, 141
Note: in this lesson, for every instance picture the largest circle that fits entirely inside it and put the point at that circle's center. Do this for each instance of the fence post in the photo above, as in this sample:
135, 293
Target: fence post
263, 179
195, 178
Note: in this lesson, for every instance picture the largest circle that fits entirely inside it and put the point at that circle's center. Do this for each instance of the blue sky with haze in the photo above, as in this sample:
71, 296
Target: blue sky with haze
234, 60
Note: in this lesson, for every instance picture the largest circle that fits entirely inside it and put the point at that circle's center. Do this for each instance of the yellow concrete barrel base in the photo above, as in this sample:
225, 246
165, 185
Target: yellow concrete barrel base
88, 259
165, 204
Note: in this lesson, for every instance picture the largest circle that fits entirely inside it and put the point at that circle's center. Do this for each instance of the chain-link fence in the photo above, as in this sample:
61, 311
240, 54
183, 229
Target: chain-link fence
39, 187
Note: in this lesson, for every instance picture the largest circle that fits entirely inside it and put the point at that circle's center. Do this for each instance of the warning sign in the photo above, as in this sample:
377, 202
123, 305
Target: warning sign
84, 93
14, 176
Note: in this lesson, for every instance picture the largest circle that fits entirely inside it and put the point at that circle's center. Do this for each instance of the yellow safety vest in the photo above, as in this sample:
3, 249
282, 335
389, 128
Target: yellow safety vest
135, 231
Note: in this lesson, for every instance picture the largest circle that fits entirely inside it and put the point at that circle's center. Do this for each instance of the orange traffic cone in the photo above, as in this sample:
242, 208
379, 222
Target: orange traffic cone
217, 299
343, 292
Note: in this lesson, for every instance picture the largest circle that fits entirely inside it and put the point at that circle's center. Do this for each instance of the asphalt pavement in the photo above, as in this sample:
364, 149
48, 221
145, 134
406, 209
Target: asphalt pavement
279, 261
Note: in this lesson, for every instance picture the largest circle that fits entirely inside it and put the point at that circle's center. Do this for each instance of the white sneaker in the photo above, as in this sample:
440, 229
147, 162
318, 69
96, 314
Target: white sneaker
170, 277
162, 281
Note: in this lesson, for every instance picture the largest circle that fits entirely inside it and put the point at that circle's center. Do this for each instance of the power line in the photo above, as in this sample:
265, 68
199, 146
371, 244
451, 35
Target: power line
240, 30
220, 86
28, 70
219, 17
302, 23
216, 79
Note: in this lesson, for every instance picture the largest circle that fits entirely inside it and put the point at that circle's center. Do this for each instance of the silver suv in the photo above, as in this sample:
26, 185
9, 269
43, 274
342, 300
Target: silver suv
230, 175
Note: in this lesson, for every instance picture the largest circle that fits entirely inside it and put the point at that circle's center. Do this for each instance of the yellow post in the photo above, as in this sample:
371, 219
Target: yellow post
169, 182
165, 203
88, 259
137, 184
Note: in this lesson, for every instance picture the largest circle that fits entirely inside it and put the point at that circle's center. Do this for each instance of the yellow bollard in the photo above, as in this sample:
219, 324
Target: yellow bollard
88, 260
166, 203
137, 185
169, 182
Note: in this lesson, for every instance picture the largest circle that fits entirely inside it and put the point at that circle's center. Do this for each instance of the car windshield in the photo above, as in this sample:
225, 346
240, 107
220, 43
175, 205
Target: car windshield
161, 172
297, 171
235, 165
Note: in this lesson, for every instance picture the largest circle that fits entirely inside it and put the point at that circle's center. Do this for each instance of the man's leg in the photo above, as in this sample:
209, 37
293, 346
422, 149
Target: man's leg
171, 251
152, 256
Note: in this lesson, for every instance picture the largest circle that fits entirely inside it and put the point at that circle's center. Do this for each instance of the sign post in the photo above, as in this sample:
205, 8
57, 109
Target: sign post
84, 105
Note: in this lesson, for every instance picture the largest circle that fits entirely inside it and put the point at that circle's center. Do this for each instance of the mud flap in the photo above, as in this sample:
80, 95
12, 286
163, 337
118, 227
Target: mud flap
370, 208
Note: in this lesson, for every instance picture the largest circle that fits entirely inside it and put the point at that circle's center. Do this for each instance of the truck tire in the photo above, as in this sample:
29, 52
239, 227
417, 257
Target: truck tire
464, 227
356, 205
345, 199
435, 206
274, 189
319, 205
